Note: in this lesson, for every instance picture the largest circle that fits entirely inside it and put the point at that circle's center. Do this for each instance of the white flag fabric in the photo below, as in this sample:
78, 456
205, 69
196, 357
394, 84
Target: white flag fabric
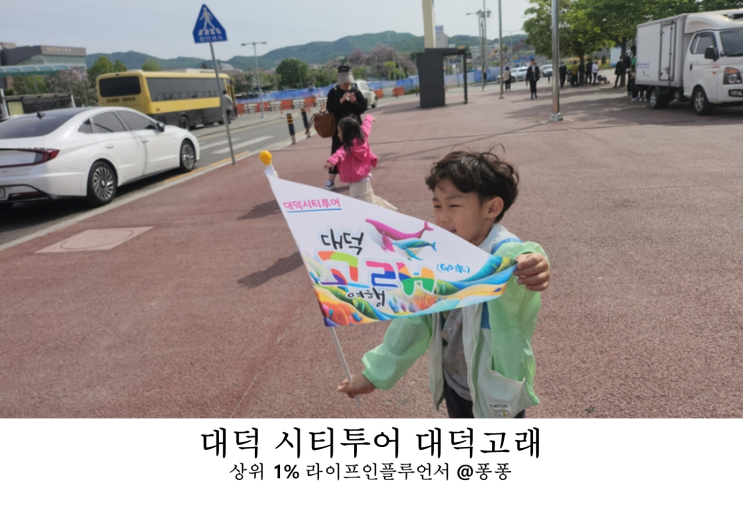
371, 264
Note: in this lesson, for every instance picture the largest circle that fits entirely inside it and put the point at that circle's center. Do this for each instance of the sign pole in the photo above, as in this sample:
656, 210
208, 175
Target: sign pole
500, 50
343, 361
220, 88
555, 116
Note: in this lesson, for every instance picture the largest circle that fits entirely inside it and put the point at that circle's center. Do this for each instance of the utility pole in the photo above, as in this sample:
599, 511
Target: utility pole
500, 48
556, 116
258, 72
481, 15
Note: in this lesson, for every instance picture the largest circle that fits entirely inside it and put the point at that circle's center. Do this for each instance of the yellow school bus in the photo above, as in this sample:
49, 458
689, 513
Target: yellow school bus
175, 98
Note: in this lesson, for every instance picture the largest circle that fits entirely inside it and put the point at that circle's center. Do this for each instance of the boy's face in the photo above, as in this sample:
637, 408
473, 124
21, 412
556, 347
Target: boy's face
462, 214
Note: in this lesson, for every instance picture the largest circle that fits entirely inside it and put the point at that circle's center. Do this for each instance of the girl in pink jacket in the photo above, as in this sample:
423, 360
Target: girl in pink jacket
355, 160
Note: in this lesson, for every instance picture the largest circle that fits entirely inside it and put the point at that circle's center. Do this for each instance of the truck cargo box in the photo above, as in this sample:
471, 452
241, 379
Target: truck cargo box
660, 52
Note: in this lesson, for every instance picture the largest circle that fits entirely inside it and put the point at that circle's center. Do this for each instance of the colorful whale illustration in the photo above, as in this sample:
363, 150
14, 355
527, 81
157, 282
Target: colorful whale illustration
389, 234
412, 246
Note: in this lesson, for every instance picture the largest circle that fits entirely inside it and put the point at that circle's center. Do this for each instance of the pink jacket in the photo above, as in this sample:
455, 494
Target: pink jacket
355, 165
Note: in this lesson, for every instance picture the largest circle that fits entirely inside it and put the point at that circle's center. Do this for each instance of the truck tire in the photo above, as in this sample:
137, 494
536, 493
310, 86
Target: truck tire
699, 102
656, 100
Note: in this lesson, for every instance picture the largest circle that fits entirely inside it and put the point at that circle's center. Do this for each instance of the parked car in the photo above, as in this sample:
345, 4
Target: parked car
546, 70
519, 74
86, 152
368, 93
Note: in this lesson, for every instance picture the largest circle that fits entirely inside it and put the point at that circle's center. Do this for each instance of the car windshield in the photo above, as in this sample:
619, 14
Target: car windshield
31, 126
732, 42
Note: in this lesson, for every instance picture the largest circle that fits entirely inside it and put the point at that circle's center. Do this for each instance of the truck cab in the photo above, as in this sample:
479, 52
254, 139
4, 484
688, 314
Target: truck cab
697, 57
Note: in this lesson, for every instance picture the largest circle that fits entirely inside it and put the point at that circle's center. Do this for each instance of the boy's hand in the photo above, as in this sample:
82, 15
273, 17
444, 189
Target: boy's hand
359, 385
533, 271
328, 165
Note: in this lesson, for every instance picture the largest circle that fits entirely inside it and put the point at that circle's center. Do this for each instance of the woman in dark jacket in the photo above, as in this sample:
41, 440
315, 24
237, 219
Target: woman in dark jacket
532, 76
344, 100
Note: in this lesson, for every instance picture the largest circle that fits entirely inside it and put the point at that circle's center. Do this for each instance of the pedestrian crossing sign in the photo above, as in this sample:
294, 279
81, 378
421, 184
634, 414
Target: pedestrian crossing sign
208, 28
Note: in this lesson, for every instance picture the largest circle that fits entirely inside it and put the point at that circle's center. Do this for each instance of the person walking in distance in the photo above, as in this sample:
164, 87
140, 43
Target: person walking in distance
507, 78
619, 71
574, 73
595, 71
532, 76
229, 107
344, 100
563, 74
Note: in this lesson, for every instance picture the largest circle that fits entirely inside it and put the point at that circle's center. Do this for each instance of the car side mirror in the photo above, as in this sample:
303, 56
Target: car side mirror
161, 127
711, 53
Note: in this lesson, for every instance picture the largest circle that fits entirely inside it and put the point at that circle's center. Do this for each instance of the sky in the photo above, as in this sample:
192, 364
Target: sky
162, 28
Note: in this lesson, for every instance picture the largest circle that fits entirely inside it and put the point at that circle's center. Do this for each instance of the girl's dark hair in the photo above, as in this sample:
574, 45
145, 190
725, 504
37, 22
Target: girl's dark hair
350, 130
481, 172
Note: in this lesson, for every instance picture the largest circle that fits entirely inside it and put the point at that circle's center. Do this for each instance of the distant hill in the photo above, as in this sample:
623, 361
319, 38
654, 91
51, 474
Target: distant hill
134, 60
316, 52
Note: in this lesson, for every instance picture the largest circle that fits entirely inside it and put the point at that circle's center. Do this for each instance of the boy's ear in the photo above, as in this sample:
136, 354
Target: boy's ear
494, 207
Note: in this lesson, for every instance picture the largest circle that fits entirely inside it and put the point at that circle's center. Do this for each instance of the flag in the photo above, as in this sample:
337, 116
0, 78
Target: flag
370, 264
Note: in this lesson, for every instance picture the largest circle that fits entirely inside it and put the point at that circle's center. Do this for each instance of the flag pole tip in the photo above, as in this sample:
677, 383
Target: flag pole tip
266, 157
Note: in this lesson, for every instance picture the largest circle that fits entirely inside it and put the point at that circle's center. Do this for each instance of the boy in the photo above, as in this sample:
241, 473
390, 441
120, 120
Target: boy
480, 356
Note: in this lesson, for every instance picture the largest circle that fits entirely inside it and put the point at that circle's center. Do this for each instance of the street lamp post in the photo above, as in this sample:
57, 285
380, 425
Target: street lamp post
258, 72
556, 116
500, 48
481, 15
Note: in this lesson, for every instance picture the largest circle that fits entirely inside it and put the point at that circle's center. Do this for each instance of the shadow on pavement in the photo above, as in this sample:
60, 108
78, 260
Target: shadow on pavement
279, 268
594, 105
262, 210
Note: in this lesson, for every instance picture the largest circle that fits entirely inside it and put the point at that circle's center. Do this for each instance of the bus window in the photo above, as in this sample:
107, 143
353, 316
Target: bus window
120, 87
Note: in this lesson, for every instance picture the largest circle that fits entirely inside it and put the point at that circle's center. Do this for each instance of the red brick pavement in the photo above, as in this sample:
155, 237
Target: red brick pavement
210, 314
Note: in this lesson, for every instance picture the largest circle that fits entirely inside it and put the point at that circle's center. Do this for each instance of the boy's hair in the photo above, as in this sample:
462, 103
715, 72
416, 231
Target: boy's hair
481, 172
350, 130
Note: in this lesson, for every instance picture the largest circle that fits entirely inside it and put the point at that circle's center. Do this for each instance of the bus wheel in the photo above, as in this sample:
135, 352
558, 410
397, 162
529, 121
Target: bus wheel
184, 122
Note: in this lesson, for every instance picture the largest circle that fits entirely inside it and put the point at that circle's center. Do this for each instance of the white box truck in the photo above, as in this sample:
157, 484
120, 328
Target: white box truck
697, 57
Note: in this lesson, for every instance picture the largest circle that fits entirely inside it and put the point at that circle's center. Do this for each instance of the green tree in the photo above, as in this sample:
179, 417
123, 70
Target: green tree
119, 66
293, 73
151, 66
101, 66
719, 5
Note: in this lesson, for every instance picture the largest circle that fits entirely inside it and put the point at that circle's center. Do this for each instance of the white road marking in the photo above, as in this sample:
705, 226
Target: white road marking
241, 145
202, 147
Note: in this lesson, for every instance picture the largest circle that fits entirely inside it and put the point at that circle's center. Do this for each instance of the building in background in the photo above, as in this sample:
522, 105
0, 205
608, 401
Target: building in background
12, 55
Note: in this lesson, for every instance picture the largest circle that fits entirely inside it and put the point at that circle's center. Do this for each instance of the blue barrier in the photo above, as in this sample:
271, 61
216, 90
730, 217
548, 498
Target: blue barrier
276, 96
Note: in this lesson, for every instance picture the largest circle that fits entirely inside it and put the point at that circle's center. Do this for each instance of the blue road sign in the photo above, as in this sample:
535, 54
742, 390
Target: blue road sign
208, 28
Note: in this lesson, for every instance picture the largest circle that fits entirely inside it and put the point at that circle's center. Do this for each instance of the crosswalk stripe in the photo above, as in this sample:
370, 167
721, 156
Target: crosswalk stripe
202, 147
244, 144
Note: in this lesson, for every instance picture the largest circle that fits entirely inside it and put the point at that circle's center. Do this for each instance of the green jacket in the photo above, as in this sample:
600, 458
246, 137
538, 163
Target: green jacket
497, 343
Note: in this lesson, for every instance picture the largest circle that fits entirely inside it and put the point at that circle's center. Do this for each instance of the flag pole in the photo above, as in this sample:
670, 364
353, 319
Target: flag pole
343, 361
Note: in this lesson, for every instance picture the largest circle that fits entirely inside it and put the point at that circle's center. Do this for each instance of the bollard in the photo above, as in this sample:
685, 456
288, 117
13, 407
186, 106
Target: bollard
306, 124
290, 121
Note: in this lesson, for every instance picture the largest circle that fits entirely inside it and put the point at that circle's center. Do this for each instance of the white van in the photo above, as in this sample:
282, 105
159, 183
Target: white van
697, 57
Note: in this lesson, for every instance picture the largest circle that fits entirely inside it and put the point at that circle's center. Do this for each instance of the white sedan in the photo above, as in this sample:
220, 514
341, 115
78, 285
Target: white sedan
368, 93
519, 74
86, 152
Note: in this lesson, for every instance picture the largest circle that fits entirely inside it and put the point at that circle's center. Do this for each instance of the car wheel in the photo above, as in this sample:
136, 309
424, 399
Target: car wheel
701, 105
188, 156
184, 122
656, 100
101, 184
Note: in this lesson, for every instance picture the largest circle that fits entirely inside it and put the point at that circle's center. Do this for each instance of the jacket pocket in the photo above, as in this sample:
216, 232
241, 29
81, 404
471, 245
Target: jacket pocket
499, 396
